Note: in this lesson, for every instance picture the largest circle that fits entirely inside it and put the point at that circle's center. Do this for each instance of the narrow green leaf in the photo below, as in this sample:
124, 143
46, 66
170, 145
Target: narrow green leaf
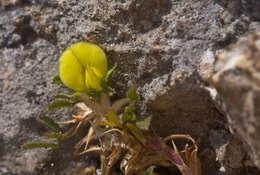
129, 113
149, 171
72, 97
56, 80
60, 104
109, 72
131, 94
92, 93
33, 145
106, 89
145, 123
75, 94
130, 108
49, 123
63, 96
55, 136
129, 117
112, 118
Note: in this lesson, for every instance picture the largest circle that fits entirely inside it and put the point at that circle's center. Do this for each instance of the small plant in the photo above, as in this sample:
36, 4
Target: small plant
124, 138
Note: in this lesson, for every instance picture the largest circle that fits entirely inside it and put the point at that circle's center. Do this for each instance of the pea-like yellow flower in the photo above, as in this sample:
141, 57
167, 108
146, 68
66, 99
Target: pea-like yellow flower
82, 66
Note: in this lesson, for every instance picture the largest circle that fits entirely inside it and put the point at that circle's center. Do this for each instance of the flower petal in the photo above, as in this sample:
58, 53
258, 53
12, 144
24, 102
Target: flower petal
71, 71
92, 80
90, 55
82, 66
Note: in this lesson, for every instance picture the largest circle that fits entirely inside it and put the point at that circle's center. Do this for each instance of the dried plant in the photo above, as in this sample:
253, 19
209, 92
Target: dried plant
124, 138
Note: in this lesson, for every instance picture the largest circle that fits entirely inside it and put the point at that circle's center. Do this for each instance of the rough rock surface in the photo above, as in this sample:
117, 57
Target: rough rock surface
167, 46
237, 79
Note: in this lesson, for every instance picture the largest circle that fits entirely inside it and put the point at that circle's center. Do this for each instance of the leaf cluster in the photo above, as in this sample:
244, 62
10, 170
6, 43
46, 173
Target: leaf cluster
124, 138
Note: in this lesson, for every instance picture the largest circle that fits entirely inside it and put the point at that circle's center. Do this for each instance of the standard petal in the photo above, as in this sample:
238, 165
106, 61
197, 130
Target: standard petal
91, 55
71, 71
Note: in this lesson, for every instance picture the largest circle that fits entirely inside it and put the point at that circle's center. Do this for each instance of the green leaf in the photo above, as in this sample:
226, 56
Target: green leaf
92, 93
55, 136
129, 113
112, 119
60, 104
129, 117
56, 80
72, 97
32, 145
109, 72
145, 123
130, 108
49, 123
149, 171
131, 94
104, 83
106, 89
75, 94
63, 96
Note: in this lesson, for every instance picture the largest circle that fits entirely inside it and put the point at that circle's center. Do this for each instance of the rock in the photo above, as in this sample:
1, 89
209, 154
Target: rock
229, 151
235, 153
219, 140
237, 80
166, 46
206, 67
180, 105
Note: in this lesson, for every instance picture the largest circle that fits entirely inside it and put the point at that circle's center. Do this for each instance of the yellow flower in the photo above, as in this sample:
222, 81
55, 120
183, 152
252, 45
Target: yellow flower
82, 66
